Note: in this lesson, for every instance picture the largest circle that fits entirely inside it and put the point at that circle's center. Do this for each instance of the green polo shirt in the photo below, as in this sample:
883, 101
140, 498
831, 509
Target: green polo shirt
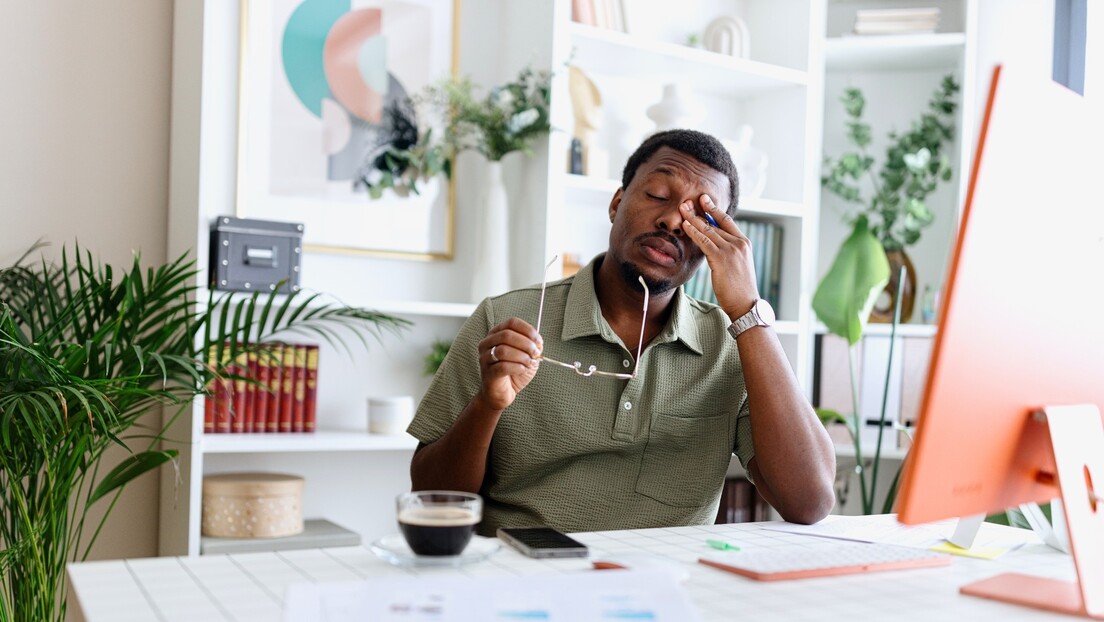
599, 453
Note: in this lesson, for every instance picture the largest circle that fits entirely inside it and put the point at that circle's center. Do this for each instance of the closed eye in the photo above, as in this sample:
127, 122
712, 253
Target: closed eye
655, 198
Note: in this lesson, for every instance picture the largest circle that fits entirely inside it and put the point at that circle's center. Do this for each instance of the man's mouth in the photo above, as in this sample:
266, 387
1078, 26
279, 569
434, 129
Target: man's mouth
661, 251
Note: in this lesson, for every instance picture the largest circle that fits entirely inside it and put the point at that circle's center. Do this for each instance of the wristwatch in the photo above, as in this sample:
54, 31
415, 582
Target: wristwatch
761, 314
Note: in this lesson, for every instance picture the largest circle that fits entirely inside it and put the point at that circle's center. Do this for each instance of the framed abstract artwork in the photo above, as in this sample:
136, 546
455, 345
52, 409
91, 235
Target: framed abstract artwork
323, 94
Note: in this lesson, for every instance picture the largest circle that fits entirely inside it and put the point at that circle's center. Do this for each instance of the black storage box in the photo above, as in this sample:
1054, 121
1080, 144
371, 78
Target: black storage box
250, 255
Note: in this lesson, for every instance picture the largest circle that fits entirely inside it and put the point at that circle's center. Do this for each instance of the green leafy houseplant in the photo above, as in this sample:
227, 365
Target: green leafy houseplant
891, 219
408, 151
85, 354
404, 156
507, 119
438, 350
913, 167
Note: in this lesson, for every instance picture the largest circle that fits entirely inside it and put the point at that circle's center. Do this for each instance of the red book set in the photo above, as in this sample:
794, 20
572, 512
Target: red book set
274, 389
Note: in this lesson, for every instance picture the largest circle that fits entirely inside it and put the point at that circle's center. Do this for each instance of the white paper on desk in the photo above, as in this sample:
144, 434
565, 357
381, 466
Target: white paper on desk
604, 595
884, 528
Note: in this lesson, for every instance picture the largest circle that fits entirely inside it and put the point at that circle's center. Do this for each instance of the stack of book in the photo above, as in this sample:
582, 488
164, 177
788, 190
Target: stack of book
271, 389
766, 249
896, 21
611, 14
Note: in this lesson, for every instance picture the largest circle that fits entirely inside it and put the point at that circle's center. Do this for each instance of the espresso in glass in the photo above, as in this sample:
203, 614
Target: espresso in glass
438, 523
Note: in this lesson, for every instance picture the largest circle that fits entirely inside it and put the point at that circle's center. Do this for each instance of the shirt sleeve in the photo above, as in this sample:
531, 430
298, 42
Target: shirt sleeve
745, 448
456, 381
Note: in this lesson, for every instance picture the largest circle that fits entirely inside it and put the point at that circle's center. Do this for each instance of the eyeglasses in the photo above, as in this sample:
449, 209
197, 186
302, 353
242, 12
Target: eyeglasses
592, 370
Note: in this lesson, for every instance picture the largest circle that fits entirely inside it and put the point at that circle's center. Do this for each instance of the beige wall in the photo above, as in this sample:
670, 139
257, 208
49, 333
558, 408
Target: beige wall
84, 148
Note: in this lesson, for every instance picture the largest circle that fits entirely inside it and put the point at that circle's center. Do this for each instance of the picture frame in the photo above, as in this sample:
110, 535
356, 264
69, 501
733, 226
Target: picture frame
319, 87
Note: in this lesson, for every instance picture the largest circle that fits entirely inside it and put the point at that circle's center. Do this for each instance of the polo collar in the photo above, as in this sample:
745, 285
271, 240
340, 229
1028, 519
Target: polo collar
583, 315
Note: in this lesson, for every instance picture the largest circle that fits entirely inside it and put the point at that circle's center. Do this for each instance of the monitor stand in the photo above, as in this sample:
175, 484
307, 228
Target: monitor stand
1077, 440
1052, 532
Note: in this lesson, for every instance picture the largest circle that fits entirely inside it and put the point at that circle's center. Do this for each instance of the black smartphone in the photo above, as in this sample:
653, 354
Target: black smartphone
542, 542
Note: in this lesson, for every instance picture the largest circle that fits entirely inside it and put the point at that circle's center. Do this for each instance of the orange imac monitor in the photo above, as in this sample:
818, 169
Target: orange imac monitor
1011, 410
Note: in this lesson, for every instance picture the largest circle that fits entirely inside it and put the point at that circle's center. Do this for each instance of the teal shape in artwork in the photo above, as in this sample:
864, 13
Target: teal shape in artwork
304, 39
372, 63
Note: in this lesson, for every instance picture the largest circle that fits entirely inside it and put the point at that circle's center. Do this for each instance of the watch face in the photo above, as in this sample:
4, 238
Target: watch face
765, 311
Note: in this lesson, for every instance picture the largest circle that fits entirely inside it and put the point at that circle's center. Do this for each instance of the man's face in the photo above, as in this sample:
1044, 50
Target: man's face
647, 237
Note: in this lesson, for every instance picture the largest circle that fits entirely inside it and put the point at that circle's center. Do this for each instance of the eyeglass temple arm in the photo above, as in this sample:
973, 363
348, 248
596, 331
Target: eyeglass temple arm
544, 283
643, 323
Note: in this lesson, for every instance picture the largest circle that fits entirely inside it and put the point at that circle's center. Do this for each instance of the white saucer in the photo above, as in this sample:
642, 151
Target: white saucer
393, 549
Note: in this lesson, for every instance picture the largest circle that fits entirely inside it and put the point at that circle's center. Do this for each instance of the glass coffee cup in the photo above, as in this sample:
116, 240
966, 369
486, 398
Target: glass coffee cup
438, 522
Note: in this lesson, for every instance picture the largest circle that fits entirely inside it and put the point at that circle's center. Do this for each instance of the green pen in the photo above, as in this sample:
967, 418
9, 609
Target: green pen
721, 545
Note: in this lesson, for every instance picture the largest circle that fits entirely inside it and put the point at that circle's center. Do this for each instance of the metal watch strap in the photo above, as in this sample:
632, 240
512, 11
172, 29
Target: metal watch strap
748, 320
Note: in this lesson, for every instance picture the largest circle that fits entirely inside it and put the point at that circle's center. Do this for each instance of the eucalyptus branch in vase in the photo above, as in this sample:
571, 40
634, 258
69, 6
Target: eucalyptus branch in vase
891, 216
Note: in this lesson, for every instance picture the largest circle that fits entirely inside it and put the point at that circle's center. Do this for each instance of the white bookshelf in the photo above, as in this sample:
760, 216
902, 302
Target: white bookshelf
350, 475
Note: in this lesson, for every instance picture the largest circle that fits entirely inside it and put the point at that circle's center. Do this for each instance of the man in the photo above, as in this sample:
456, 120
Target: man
620, 448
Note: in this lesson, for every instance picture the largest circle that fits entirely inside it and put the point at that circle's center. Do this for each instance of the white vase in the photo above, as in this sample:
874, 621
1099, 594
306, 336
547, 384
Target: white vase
491, 272
678, 109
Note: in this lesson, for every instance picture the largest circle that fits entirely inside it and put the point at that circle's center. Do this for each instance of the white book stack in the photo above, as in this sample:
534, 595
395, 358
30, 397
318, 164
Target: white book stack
896, 21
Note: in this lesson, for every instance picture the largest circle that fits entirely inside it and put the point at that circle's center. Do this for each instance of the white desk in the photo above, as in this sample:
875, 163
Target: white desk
250, 586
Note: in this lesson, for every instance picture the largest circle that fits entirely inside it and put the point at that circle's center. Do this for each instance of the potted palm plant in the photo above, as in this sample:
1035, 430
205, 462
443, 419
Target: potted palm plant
85, 354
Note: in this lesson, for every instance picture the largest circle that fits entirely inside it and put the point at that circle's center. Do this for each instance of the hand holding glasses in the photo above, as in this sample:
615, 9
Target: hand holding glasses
592, 370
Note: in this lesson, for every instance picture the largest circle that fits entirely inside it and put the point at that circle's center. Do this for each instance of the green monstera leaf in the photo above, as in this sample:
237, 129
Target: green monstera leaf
860, 271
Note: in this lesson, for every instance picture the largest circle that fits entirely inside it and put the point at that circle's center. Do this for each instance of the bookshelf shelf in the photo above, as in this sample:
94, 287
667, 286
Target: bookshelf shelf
848, 451
603, 51
392, 307
322, 441
883, 330
894, 52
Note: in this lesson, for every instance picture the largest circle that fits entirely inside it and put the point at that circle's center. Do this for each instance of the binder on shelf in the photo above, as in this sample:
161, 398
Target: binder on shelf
262, 392
311, 412
239, 369
210, 402
250, 393
275, 388
299, 409
223, 394
287, 389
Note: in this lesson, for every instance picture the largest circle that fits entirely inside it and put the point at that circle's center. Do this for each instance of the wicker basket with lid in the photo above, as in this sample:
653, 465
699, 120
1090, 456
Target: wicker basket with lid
252, 505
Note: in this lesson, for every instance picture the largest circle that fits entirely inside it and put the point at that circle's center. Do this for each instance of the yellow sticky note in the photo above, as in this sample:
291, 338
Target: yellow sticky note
976, 551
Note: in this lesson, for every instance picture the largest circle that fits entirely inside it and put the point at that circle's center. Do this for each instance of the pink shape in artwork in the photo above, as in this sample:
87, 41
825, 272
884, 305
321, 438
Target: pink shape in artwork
340, 59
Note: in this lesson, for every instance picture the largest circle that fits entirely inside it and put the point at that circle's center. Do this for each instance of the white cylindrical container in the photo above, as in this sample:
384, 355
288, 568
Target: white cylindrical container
390, 415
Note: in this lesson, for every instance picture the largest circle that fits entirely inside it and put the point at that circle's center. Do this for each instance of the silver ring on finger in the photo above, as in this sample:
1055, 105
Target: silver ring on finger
493, 357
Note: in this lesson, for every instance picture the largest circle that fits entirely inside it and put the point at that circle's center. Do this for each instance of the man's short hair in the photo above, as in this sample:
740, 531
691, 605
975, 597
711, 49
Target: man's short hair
698, 145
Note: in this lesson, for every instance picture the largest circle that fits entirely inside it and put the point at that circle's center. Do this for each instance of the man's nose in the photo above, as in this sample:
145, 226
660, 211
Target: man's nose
671, 219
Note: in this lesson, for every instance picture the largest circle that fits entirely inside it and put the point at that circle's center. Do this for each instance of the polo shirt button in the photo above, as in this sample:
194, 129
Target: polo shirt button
628, 405
625, 363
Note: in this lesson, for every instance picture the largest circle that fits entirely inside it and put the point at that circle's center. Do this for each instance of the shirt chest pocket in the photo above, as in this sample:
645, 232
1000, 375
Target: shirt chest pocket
686, 458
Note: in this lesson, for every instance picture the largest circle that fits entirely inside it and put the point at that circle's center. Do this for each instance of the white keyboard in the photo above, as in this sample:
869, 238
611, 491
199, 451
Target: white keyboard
824, 559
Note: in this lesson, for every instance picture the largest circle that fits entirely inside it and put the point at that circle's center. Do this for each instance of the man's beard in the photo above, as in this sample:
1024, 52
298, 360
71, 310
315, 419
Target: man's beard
630, 273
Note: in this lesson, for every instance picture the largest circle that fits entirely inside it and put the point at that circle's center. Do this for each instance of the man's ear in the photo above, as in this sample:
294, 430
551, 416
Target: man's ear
615, 202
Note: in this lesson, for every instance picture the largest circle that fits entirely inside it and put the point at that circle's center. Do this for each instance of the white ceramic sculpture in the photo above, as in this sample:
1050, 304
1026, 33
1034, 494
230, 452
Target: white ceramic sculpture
751, 163
727, 35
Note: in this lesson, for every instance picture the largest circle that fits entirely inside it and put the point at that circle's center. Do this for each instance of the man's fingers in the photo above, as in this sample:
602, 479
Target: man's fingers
723, 220
700, 231
510, 348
